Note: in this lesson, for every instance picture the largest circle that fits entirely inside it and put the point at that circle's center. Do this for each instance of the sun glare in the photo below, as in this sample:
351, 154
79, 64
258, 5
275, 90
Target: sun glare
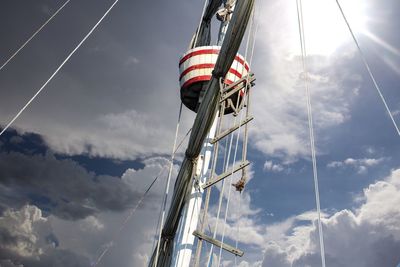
325, 29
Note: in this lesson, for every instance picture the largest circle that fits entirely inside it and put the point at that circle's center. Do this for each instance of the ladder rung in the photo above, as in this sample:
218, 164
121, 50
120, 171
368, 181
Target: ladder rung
219, 244
229, 91
226, 174
226, 132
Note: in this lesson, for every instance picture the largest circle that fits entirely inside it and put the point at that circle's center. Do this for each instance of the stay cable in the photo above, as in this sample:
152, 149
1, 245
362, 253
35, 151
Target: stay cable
59, 68
33, 35
311, 128
371, 75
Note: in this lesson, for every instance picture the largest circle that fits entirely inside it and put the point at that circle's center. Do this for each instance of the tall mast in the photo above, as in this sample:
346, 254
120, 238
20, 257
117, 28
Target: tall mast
206, 103
185, 242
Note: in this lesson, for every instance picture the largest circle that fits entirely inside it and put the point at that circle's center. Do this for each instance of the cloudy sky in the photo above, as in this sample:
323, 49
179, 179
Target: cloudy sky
79, 159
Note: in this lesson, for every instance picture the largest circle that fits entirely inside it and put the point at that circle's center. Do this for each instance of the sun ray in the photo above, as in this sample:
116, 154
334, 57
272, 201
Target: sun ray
381, 42
325, 28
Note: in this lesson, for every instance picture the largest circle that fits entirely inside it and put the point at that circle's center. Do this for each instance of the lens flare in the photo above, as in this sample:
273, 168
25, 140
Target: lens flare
325, 29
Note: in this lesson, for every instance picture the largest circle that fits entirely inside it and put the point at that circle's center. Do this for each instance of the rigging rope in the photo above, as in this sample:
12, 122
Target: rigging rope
221, 194
130, 214
183, 139
244, 153
33, 35
251, 35
208, 194
310, 126
230, 188
227, 164
59, 68
159, 225
155, 239
168, 182
378, 89
201, 19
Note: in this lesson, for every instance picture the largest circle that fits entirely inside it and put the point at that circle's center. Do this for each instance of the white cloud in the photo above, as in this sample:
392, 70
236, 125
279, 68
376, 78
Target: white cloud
128, 134
368, 236
91, 223
27, 237
24, 231
112, 111
361, 165
396, 112
270, 166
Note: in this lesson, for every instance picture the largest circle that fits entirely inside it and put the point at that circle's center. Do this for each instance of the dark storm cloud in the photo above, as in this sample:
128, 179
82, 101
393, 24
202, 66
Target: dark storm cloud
53, 257
128, 66
118, 97
61, 187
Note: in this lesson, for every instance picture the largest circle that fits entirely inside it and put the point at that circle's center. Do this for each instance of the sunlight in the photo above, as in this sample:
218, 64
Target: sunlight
382, 43
325, 29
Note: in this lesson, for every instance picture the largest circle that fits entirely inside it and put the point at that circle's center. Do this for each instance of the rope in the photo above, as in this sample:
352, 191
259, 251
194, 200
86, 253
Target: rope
221, 194
311, 128
229, 192
154, 244
224, 167
111, 243
251, 30
180, 232
245, 141
30, 38
168, 183
201, 19
378, 89
208, 194
59, 68
238, 227
227, 163
183, 139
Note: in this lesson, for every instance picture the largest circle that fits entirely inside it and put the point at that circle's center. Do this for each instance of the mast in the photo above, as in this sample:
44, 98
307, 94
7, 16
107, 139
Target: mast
184, 245
185, 242
207, 107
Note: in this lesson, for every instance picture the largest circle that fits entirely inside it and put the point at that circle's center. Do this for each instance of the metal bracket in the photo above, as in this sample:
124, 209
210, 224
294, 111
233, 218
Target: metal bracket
226, 174
237, 86
219, 244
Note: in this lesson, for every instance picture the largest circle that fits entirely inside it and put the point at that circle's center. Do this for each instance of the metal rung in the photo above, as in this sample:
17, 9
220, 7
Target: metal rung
229, 87
226, 132
218, 243
229, 92
226, 174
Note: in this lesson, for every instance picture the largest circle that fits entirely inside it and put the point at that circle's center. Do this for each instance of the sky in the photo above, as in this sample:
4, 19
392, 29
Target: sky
78, 160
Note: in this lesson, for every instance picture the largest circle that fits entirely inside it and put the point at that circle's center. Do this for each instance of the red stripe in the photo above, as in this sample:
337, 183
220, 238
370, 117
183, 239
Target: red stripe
206, 66
198, 52
202, 78
196, 67
241, 61
210, 51
196, 79
236, 73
